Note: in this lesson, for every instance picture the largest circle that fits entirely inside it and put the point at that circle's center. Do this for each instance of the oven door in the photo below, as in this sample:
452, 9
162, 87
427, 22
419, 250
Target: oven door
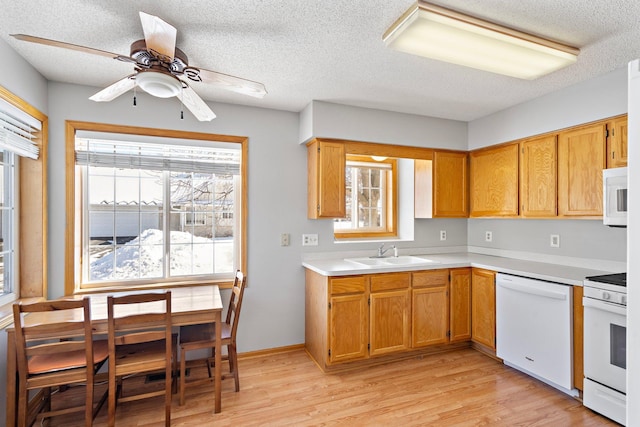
605, 343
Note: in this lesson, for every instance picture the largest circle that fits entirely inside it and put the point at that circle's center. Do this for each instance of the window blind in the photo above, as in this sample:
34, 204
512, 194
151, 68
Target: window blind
177, 158
18, 131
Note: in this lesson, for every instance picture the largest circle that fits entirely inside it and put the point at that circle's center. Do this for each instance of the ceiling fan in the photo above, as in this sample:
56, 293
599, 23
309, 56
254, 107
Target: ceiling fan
160, 69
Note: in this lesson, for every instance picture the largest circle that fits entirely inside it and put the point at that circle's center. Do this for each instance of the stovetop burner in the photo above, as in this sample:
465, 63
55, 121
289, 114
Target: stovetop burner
619, 279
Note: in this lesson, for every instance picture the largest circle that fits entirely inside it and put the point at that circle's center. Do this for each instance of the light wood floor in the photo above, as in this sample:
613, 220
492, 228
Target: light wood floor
460, 388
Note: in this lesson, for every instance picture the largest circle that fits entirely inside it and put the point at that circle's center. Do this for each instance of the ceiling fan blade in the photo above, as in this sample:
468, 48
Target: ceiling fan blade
115, 90
236, 84
159, 36
84, 49
196, 105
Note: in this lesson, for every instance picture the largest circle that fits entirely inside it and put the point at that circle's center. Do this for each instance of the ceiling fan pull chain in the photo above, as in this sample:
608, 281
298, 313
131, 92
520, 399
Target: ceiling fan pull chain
181, 103
134, 96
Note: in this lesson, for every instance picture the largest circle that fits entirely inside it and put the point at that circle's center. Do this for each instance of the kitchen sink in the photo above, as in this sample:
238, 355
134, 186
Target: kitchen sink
391, 261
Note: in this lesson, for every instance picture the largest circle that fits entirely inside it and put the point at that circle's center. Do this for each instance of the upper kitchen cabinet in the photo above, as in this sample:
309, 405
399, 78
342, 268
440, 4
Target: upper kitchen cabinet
450, 184
326, 165
617, 142
538, 177
581, 158
494, 181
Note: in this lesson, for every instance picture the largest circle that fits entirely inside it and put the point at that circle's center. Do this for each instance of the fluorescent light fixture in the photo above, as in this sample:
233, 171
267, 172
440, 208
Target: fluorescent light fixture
445, 35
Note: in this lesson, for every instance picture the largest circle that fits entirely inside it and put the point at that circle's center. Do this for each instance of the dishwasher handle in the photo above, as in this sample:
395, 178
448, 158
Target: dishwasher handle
532, 290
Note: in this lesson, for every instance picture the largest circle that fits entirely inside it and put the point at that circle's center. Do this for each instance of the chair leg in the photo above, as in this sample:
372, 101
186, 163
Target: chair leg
183, 374
112, 399
233, 364
22, 405
168, 387
88, 402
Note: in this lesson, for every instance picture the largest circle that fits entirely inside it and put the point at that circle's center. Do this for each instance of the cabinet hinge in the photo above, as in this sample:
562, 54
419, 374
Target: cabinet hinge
369, 301
329, 352
329, 306
369, 346
448, 334
318, 208
318, 149
613, 154
606, 133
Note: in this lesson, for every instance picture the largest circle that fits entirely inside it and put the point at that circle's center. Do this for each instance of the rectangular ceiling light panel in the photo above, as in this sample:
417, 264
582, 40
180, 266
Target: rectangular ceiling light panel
442, 34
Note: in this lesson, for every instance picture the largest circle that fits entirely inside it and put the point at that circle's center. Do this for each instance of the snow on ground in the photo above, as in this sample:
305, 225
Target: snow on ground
142, 257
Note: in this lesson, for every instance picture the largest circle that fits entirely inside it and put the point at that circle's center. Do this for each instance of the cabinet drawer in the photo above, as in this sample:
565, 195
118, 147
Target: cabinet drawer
385, 282
347, 285
430, 278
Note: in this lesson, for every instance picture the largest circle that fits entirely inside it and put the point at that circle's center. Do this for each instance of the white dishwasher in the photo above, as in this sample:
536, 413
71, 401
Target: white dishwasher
534, 325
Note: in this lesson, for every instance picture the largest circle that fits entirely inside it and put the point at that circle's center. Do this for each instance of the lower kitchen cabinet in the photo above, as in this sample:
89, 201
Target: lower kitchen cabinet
348, 323
389, 313
460, 304
430, 305
364, 318
483, 307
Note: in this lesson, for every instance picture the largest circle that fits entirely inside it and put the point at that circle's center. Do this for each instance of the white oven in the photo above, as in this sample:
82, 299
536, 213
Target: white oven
605, 348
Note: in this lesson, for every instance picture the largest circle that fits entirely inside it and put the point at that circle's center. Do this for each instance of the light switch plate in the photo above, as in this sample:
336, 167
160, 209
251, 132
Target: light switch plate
555, 241
284, 239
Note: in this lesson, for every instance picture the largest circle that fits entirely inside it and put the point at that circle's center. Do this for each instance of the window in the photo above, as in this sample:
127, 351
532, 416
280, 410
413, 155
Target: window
22, 199
151, 210
8, 221
370, 199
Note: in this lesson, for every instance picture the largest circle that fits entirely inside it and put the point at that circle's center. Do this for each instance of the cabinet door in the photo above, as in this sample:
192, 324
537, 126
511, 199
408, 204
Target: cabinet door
494, 181
430, 316
460, 304
348, 322
450, 185
389, 322
581, 158
483, 307
617, 143
326, 168
538, 171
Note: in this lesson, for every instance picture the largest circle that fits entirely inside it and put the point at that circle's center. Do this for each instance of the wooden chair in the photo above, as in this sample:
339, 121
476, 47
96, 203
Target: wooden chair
198, 337
56, 353
140, 341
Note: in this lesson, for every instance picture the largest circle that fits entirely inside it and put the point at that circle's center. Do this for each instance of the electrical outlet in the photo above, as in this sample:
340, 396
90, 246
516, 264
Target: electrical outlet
309, 240
284, 239
488, 236
555, 241
443, 234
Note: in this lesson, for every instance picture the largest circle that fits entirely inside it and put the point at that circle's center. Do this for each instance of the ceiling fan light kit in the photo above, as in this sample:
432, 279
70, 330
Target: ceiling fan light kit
446, 35
160, 69
159, 84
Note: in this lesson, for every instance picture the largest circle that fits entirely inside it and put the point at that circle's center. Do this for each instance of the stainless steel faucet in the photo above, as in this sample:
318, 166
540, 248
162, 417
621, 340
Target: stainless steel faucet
381, 252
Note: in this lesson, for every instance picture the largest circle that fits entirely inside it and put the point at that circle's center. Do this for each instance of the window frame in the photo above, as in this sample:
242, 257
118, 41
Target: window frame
391, 198
73, 241
30, 282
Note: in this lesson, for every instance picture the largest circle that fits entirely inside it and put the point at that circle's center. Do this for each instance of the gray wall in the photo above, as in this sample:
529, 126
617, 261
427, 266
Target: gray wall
595, 99
273, 314
22, 80
277, 199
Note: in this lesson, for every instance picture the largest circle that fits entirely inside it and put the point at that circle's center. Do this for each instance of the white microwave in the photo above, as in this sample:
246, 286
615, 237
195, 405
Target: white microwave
614, 197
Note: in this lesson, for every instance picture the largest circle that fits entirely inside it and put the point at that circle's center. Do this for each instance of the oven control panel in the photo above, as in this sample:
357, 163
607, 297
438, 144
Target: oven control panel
606, 295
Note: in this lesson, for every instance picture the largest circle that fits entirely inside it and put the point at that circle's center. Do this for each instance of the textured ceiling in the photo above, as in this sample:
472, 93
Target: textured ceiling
330, 51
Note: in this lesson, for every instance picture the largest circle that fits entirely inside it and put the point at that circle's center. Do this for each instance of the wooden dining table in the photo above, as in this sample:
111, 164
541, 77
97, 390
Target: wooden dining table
190, 305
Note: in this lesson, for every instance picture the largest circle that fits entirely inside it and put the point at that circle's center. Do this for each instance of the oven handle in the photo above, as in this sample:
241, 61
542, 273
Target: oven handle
605, 306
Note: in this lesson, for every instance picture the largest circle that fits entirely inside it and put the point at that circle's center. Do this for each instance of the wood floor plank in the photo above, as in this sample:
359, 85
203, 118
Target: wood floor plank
458, 388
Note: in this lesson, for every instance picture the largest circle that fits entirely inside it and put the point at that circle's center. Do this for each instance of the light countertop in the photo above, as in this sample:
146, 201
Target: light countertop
567, 275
